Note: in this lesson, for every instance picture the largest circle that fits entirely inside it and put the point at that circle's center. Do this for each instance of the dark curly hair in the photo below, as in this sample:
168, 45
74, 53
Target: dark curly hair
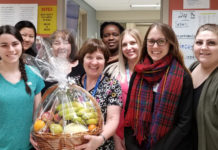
103, 25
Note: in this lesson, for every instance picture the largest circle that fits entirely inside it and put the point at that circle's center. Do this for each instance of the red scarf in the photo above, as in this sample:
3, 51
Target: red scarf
152, 117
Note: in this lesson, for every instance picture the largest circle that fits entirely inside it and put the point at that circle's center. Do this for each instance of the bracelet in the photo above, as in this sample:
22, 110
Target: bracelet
103, 138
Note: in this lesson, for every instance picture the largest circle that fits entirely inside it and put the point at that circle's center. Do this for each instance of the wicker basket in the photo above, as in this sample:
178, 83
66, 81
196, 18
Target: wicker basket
49, 141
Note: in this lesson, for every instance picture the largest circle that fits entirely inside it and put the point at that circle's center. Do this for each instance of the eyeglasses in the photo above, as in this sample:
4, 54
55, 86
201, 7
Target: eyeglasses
160, 42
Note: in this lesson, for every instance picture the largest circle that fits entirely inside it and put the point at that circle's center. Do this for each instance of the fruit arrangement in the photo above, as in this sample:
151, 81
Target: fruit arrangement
66, 115
69, 117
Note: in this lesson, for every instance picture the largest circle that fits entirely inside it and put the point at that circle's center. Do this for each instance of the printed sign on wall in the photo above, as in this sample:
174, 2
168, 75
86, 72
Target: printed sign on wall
185, 24
47, 19
10, 14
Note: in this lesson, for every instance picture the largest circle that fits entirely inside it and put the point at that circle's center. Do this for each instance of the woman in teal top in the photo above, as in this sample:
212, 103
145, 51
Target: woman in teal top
20, 92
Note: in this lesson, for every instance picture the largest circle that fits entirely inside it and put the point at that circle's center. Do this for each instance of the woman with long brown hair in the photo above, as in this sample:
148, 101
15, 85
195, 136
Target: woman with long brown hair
20, 92
159, 102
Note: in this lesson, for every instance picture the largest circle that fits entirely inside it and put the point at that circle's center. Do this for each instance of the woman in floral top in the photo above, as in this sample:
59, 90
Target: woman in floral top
94, 55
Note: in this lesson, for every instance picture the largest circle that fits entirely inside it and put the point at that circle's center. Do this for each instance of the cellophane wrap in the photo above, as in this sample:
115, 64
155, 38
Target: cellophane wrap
52, 69
66, 109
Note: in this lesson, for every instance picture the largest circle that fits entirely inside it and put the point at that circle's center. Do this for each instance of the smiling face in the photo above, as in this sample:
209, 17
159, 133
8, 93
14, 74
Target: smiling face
94, 63
130, 48
111, 36
206, 48
28, 36
61, 48
10, 49
155, 51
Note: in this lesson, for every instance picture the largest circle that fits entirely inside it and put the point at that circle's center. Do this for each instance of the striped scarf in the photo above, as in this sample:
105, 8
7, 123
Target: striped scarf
152, 117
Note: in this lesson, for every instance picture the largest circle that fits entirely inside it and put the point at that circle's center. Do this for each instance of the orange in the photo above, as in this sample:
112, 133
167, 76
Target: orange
91, 127
38, 125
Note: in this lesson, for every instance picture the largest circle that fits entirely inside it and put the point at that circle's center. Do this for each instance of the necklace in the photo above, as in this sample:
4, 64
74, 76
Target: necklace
96, 85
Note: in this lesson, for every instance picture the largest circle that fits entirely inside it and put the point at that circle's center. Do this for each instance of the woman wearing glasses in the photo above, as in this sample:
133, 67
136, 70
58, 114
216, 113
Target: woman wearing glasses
158, 108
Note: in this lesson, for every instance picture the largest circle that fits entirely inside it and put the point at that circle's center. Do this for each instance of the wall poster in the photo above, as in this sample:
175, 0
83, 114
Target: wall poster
10, 14
185, 24
47, 19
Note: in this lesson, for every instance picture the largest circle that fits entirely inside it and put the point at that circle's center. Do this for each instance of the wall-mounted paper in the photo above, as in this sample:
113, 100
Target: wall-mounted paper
185, 24
10, 14
196, 4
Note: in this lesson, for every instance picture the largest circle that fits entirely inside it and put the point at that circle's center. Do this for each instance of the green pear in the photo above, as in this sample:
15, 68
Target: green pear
89, 115
66, 111
81, 111
78, 120
76, 104
69, 116
92, 121
56, 128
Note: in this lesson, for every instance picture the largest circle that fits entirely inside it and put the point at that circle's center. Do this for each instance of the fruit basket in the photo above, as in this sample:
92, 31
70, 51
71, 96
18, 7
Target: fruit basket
64, 117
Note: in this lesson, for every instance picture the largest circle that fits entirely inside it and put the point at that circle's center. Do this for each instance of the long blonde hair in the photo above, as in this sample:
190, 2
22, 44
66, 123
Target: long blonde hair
119, 67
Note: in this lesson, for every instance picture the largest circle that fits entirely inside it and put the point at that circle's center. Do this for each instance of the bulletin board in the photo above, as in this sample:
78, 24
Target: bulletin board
185, 24
10, 14
42, 13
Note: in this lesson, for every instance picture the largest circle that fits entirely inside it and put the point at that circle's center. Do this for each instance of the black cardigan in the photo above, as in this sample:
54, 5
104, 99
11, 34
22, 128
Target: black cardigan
179, 137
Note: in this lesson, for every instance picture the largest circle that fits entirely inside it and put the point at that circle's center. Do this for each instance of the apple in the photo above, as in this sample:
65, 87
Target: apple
47, 116
57, 118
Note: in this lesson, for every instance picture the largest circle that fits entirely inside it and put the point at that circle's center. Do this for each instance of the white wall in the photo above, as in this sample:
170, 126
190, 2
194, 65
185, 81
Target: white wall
95, 18
128, 16
133, 19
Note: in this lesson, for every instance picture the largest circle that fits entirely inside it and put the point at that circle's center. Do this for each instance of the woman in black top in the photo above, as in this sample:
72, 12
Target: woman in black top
158, 109
205, 81
28, 33
64, 52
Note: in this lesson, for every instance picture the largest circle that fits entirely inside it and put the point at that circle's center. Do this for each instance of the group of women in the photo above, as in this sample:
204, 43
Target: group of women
149, 99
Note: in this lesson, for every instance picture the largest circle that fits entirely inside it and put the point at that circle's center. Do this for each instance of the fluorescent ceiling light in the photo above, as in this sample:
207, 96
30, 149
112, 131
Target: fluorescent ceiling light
143, 6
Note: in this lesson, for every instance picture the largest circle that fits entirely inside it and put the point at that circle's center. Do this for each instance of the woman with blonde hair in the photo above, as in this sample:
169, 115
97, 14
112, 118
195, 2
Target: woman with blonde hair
129, 50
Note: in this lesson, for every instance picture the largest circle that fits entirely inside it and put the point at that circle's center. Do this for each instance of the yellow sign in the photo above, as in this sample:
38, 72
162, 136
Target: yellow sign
47, 19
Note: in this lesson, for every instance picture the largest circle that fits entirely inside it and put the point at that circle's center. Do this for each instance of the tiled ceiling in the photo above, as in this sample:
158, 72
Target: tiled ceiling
110, 5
